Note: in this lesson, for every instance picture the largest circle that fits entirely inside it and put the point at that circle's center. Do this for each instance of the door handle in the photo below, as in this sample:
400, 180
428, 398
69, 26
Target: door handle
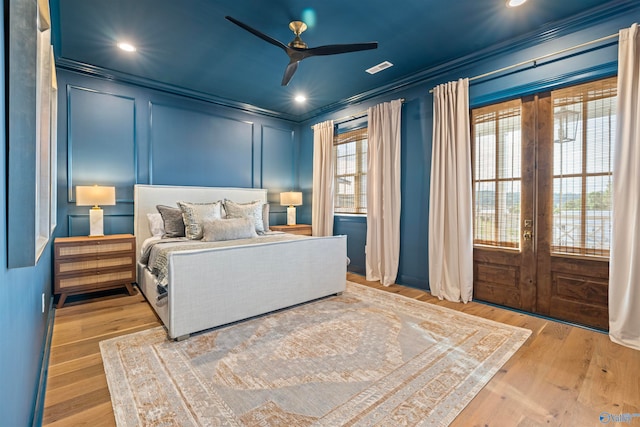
527, 235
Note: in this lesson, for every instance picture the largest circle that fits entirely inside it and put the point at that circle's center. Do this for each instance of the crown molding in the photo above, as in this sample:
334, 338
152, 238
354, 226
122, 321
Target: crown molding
120, 77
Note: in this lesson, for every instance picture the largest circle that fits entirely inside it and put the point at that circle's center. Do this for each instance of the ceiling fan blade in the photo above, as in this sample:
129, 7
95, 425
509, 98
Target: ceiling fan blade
334, 49
257, 33
289, 72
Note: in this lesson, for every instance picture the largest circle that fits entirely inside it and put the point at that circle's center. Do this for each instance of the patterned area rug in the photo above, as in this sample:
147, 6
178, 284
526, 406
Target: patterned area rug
364, 358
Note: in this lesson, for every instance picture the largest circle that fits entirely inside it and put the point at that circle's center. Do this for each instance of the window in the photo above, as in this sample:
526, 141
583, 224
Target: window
497, 174
350, 154
584, 131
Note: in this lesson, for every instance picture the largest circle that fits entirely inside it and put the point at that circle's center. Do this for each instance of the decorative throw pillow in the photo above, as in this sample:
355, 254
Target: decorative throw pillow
195, 214
156, 224
251, 210
228, 229
265, 217
173, 223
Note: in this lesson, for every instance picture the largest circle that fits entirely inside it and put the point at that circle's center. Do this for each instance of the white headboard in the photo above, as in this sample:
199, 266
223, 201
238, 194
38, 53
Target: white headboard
146, 197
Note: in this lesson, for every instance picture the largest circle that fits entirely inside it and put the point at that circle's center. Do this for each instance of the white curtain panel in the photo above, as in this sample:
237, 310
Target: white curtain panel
624, 267
383, 192
450, 206
323, 175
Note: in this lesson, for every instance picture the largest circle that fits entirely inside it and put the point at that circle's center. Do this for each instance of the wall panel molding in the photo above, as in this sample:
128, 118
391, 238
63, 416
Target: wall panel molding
101, 141
194, 147
278, 162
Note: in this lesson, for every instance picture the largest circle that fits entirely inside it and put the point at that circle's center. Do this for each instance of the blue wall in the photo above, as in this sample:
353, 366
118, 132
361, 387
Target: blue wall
22, 322
120, 134
598, 60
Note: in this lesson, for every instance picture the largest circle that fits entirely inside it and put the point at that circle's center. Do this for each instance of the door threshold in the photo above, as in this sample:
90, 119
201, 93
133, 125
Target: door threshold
541, 316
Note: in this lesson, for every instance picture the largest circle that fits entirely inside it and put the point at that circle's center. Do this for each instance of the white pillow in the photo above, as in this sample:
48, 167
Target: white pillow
251, 210
195, 214
156, 224
228, 229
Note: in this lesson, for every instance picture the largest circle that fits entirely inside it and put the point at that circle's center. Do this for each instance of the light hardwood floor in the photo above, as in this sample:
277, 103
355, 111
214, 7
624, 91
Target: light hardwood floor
562, 375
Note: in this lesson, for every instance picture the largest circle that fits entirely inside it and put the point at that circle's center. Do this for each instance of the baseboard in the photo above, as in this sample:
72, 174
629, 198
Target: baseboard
38, 410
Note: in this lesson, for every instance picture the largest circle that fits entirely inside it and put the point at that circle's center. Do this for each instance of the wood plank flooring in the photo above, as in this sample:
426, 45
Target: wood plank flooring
562, 375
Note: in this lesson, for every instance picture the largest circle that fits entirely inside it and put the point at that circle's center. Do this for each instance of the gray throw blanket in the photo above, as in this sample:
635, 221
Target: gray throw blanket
156, 254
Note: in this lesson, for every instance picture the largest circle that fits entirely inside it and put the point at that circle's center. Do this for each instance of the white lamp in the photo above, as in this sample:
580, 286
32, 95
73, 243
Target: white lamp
93, 196
291, 199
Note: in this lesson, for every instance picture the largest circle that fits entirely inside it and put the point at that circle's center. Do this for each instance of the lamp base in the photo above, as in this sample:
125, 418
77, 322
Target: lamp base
96, 223
291, 215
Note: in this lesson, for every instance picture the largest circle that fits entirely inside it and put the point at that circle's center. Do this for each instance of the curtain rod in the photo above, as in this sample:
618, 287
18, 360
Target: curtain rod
352, 116
539, 58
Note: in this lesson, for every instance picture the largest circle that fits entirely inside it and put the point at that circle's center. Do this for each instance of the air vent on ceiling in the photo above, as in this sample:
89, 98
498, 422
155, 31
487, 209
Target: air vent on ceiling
381, 66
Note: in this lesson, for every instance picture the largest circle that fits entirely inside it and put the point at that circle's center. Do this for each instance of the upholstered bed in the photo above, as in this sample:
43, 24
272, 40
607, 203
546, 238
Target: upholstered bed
213, 286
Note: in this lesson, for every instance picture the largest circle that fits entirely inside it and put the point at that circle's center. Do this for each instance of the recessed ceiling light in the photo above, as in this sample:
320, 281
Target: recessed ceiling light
515, 3
300, 98
127, 47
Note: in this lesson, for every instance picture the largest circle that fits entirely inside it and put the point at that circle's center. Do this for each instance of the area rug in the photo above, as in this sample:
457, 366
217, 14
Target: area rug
363, 358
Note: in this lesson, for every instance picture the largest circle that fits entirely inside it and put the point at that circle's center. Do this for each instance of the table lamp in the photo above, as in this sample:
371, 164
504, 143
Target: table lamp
291, 199
95, 195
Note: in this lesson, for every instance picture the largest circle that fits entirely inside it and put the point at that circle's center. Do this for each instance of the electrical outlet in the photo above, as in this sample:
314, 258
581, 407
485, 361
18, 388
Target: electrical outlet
43, 302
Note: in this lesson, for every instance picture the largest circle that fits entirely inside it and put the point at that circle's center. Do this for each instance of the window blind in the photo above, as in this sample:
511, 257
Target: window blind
350, 153
497, 169
584, 130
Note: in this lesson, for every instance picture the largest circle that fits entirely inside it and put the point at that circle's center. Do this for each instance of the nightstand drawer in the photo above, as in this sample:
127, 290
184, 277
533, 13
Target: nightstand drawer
63, 267
96, 278
75, 250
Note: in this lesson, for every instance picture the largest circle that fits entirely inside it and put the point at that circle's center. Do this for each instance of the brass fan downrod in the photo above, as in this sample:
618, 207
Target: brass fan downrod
298, 27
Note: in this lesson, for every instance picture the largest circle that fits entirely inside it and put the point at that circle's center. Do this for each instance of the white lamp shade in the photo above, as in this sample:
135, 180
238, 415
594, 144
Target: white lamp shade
95, 195
291, 198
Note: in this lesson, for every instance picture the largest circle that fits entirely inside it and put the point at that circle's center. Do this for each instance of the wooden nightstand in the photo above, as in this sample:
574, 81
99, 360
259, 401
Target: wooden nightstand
88, 264
301, 229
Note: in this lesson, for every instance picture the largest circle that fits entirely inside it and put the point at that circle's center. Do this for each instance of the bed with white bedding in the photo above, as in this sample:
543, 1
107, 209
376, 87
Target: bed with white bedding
214, 283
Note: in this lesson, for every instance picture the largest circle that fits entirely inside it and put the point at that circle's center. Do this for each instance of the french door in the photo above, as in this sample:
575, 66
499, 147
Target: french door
542, 205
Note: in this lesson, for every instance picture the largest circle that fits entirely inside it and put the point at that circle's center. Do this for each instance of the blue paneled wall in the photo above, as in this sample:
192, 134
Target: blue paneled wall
119, 134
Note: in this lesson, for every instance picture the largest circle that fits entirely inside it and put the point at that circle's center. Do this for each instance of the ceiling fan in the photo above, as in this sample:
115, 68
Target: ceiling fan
297, 50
